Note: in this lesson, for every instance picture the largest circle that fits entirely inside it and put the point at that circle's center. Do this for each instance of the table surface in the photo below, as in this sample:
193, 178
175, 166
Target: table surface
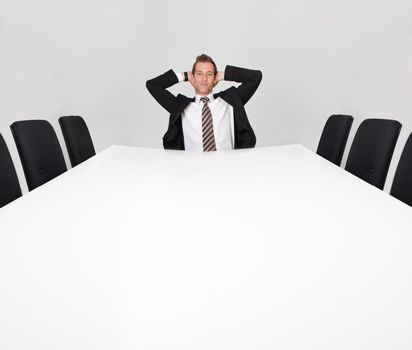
267, 248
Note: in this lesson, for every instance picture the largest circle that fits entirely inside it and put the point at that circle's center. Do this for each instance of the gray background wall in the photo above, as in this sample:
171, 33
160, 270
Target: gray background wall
92, 58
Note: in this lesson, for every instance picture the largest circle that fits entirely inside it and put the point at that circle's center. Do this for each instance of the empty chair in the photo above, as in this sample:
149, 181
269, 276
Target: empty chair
334, 136
9, 183
39, 151
372, 148
77, 137
402, 182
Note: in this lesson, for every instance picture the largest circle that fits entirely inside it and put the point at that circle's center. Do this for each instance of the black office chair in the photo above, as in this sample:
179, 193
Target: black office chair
402, 182
372, 149
39, 151
334, 136
9, 183
77, 137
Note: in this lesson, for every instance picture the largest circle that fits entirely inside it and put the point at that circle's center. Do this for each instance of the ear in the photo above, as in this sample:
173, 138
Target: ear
191, 78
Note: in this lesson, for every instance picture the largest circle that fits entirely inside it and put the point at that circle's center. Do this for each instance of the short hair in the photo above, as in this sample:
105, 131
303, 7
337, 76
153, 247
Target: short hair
204, 58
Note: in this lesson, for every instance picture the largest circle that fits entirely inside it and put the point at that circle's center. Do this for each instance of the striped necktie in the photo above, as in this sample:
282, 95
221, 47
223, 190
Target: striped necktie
207, 127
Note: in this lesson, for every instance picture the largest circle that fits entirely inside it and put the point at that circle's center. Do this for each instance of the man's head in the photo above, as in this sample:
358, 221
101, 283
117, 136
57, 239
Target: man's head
204, 73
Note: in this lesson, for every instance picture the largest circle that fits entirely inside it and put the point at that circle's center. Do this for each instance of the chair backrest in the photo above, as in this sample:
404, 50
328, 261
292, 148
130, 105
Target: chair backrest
334, 136
77, 137
402, 182
39, 151
9, 183
372, 148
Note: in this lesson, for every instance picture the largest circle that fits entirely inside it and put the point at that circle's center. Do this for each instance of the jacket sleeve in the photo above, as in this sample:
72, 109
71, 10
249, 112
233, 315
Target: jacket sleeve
158, 89
249, 79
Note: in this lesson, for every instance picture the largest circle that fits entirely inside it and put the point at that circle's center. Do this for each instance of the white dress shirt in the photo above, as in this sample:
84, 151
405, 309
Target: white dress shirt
223, 124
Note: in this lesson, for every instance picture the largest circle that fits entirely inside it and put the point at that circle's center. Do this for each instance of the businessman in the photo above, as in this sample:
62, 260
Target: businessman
207, 122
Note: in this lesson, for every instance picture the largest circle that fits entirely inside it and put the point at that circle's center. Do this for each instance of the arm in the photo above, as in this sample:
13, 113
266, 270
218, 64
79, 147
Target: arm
249, 78
158, 89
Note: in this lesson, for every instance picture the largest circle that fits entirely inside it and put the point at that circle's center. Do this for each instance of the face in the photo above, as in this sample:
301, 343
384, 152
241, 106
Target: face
204, 78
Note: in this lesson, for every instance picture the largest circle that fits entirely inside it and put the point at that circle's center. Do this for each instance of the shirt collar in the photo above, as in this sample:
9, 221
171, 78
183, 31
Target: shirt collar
198, 97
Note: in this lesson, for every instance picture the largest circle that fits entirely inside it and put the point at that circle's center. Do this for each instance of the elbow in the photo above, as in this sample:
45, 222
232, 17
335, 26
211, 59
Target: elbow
259, 76
151, 86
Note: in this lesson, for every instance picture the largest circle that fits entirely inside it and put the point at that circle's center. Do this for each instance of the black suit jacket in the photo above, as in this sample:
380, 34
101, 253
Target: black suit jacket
237, 97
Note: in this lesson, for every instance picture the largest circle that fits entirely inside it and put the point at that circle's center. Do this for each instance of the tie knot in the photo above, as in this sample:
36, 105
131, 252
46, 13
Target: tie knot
204, 99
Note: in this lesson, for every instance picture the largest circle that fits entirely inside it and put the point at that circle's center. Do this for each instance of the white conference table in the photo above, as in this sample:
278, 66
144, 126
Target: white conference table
268, 248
